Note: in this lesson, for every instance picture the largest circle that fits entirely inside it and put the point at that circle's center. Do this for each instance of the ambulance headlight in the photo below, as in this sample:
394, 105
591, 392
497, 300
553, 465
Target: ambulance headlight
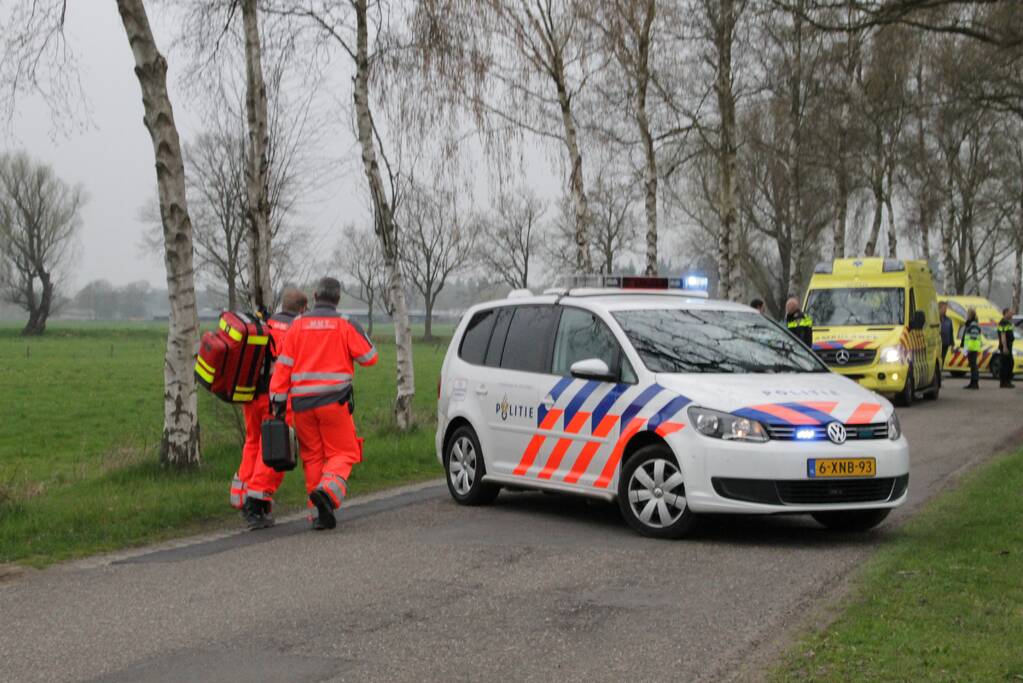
894, 428
891, 354
725, 426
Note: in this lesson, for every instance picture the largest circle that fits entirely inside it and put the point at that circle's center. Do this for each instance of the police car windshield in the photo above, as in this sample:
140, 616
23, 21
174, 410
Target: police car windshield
856, 306
678, 340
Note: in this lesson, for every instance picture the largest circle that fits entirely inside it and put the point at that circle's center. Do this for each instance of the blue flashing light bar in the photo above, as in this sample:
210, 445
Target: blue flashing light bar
692, 283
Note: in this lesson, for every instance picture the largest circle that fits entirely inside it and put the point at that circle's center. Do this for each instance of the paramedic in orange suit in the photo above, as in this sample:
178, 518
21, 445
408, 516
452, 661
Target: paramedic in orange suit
254, 484
315, 371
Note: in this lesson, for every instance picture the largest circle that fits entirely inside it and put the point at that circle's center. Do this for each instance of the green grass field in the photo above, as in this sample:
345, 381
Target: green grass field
80, 421
944, 602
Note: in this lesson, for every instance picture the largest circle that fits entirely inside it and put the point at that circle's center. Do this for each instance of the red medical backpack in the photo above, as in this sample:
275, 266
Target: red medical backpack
233, 361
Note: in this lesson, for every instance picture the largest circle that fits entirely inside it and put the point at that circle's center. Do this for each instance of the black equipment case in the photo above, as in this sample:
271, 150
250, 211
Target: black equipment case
277, 451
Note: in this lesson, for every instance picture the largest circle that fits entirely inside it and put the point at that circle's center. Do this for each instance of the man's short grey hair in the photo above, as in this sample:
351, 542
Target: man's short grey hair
328, 291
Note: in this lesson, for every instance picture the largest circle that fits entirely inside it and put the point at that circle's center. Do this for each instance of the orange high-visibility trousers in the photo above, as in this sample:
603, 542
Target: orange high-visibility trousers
329, 449
254, 479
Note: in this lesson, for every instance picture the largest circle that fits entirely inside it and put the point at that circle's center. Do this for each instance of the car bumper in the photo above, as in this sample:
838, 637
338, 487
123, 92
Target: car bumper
884, 378
771, 478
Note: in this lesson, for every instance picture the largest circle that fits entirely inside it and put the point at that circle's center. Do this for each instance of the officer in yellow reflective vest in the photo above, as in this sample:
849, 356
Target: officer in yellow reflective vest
799, 323
972, 340
1006, 338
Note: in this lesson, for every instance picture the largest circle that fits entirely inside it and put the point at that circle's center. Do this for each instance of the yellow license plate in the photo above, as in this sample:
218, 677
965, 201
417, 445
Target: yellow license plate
820, 468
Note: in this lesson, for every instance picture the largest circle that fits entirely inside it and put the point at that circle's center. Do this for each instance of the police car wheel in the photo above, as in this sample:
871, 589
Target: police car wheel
652, 494
463, 464
851, 520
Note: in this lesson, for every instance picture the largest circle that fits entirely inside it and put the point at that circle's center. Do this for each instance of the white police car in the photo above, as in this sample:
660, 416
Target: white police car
670, 403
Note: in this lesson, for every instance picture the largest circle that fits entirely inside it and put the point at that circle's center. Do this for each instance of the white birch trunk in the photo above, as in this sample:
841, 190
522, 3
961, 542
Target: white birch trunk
728, 271
650, 177
386, 229
583, 263
179, 445
257, 170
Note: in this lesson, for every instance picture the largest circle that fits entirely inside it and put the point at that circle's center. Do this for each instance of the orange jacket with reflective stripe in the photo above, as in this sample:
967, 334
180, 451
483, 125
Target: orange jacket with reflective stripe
316, 366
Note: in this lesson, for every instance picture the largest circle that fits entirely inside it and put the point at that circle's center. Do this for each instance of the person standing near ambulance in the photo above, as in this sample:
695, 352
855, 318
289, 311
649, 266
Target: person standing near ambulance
1006, 339
972, 341
315, 371
254, 483
798, 323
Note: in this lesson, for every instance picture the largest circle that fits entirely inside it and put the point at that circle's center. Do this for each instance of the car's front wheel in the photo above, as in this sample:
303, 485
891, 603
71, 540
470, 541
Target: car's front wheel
652, 494
905, 397
464, 466
851, 520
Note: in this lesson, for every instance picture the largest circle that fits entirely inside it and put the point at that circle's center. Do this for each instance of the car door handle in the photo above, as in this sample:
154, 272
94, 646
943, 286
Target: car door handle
481, 390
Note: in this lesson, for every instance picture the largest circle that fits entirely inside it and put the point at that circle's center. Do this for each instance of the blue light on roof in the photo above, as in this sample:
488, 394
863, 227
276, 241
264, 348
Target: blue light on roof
697, 282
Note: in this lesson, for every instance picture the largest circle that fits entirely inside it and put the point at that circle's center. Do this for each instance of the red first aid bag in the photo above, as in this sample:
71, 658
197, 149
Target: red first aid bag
233, 361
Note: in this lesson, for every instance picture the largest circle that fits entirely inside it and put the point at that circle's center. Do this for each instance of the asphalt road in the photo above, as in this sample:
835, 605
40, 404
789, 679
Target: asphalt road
416, 588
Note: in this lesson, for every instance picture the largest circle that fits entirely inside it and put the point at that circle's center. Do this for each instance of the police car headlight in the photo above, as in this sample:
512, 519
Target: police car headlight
725, 426
891, 354
894, 428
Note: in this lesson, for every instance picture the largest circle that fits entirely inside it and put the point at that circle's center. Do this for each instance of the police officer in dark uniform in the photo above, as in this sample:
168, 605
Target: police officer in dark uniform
1006, 337
799, 324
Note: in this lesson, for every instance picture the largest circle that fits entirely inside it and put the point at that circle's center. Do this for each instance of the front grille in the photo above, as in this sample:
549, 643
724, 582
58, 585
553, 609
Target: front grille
812, 491
856, 356
876, 430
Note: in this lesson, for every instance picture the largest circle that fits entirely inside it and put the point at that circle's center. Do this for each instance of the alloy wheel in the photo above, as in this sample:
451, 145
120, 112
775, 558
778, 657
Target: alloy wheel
462, 465
657, 493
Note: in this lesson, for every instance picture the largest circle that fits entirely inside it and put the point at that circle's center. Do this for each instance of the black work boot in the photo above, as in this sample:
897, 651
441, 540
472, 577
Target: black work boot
266, 508
325, 508
252, 511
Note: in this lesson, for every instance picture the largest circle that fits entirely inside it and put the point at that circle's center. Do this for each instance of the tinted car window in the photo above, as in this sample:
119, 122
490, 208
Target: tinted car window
496, 345
582, 335
477, 335
528, 344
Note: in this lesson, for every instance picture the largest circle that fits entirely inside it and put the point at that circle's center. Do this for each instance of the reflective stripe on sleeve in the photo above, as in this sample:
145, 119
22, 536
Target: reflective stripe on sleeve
278, 397
286, 360
326, 376
367, 357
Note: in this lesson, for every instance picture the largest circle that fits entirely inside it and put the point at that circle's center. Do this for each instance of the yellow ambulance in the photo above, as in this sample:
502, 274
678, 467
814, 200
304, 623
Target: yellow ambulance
988, 316
875, 321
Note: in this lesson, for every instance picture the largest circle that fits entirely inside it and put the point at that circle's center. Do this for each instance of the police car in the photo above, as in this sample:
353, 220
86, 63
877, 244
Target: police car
646, 393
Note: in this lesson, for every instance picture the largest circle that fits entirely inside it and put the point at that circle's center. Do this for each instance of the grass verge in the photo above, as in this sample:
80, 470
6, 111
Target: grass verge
80, 420
943, 602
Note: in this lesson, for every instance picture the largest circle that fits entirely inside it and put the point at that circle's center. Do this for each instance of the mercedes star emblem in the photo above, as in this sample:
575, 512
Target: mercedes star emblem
842, 357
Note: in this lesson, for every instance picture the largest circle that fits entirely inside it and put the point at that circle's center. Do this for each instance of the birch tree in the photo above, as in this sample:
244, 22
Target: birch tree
179, 444
362, 269
257, 176
629, 31
39, 217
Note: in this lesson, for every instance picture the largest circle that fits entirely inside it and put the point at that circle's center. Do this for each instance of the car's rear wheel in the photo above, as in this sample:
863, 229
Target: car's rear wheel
851, 520
464, 466
652, 494
932, 393
905, 397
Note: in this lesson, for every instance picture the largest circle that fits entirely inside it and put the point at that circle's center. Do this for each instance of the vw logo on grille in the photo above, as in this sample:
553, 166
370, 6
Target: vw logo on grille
842, 357
836, 432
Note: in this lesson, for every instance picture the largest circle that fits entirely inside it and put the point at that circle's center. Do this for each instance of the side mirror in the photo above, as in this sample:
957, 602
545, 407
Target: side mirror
918, 321
592, 368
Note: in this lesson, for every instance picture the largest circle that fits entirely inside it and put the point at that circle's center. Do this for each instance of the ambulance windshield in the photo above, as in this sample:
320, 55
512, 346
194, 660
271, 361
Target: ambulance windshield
677, 340
857, 306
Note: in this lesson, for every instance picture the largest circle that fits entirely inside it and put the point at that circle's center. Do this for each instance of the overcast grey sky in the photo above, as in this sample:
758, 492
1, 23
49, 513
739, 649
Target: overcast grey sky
111, 155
